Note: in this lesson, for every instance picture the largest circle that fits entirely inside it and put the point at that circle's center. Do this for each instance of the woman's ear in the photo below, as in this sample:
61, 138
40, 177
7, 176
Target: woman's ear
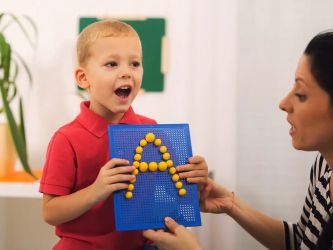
81, 78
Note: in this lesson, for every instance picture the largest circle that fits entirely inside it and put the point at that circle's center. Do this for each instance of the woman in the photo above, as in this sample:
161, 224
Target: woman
309, 108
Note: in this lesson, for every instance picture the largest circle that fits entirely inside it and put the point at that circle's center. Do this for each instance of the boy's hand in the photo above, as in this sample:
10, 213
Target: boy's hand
196, 171
111, 179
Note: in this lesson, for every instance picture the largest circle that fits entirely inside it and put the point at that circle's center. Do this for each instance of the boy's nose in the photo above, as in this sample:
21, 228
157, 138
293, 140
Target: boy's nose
124, 75
124, 72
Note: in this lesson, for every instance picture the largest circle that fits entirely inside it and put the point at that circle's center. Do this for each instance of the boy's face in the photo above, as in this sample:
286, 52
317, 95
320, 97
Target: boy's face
112, 75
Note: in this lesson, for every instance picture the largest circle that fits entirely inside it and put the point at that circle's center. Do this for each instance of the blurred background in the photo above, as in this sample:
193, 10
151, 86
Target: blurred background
229, 63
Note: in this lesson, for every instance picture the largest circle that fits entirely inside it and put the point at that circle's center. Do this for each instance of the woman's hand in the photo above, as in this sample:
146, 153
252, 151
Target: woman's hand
179, 238
216, 199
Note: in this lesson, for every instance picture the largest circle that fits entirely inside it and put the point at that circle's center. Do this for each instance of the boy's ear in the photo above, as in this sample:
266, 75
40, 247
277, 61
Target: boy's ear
81, 78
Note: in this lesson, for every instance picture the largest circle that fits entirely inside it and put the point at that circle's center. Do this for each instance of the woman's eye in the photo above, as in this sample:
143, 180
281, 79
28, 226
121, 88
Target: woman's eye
300, 97
111, 64
135, 64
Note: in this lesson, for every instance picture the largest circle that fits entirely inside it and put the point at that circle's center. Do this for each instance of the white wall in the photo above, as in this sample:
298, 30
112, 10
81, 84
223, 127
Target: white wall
213, 104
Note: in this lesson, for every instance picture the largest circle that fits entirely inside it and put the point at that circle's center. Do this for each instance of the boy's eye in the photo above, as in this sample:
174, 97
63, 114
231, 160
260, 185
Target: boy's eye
135, 64
112, 64
300, 97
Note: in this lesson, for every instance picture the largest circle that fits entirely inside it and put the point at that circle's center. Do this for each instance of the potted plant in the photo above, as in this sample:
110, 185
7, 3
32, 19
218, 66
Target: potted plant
11, 66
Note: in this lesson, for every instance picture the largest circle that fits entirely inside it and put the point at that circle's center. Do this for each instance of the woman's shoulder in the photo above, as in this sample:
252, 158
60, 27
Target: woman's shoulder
319, 167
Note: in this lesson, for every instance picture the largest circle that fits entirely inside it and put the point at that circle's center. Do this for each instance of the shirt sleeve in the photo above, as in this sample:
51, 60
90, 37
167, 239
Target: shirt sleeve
294, 232
60, 167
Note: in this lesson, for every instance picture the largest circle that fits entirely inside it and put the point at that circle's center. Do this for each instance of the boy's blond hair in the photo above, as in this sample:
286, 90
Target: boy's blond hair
94, 31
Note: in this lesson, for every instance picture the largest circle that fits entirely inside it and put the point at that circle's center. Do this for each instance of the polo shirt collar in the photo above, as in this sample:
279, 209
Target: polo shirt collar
97, 125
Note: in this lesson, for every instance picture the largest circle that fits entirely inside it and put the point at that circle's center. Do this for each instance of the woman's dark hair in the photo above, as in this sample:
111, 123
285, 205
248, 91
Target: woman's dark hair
320, 54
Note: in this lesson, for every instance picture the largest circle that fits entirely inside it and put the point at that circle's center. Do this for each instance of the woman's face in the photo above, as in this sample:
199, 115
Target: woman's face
309, 112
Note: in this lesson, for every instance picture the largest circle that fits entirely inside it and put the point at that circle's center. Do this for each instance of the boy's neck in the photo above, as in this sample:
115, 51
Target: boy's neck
107, 114
115, 118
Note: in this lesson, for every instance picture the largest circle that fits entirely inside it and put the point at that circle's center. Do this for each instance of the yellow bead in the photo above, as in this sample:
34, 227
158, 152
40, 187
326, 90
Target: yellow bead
169, 163
157, 142
143, 143
175, 177
138, 150
135, 172
129, 195
136, 164
150, 137
143, 166
137, 157
162, 166
166, 156
182, 192
163, 149
152, 166
130, 187
172, 170
179, 184
133, 180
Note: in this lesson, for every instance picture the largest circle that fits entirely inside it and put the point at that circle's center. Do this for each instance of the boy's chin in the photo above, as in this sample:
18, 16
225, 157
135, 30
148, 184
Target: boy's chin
121, 109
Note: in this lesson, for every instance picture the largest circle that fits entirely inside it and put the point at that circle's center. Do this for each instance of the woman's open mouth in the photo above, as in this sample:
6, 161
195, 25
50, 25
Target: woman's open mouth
292, 130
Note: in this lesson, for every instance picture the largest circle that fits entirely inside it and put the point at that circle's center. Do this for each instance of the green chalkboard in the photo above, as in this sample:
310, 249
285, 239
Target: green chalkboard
151, 32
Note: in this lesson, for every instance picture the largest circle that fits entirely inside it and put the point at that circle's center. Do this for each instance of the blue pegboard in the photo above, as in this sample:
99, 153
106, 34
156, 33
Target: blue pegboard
155, 195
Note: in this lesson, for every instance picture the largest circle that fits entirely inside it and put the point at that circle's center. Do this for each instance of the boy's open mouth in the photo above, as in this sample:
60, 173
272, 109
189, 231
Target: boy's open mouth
123, 92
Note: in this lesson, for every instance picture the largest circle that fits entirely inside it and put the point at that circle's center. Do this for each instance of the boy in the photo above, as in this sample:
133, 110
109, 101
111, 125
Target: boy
78, 178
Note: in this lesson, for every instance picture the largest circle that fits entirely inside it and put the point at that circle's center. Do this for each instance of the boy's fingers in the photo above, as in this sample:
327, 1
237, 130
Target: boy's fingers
119, 186
194, 173
196, 159
189, 167
171, 224
115, 162
119, 178
121, 170
196, 180
181, 167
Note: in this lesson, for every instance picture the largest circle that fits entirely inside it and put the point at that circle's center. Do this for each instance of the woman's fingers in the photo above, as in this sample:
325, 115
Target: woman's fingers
158, 237
171, 224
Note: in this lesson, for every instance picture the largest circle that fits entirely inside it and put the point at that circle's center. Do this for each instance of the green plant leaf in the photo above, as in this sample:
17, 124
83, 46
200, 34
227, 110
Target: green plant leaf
7, 89
33, 25
25, 66
10, 63
5, 57
6, 63
22, 127
21, 26
16, 134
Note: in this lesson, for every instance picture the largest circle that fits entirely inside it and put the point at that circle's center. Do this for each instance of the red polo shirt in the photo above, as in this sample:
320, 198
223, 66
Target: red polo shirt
74, 157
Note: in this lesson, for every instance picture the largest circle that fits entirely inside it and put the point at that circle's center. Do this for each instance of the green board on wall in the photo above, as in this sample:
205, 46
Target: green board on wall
151, 32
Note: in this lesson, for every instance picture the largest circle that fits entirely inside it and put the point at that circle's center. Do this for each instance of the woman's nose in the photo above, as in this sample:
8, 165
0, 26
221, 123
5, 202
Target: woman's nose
284, 104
